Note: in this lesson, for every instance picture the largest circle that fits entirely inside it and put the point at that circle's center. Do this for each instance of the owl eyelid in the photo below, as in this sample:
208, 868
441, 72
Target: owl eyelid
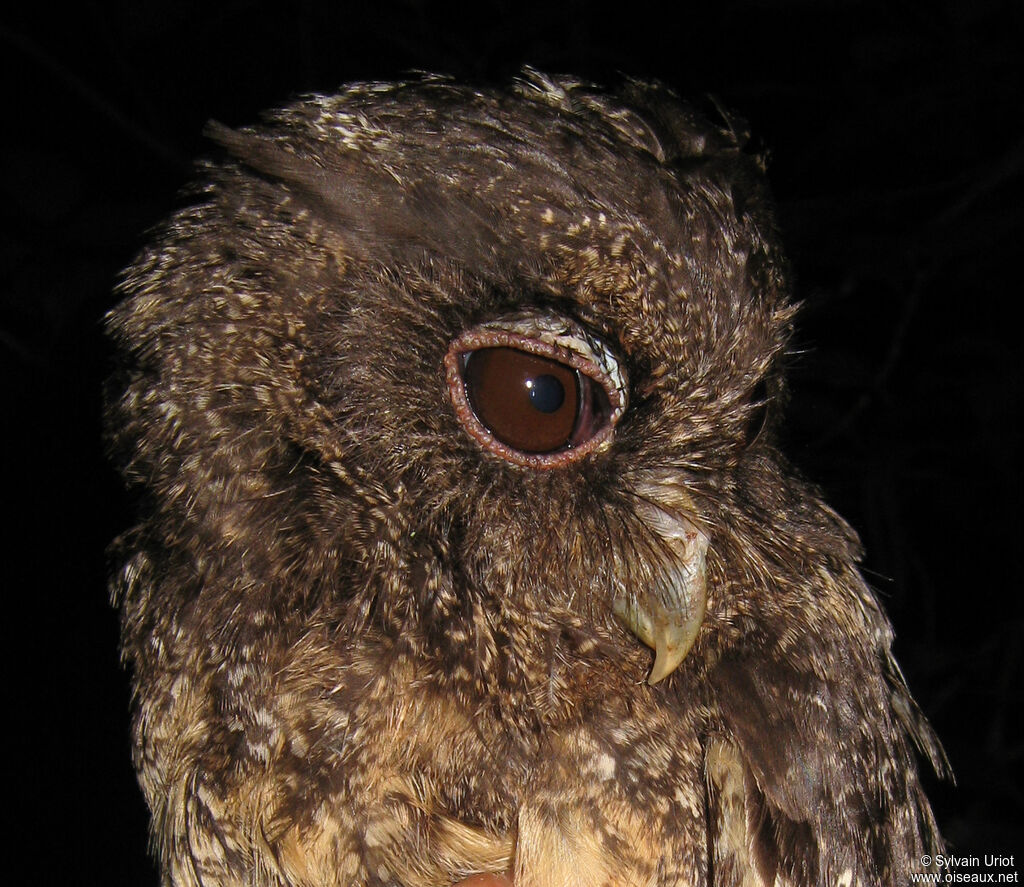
563, 342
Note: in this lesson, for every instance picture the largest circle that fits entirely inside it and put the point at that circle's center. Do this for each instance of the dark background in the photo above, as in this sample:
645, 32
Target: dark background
897, 144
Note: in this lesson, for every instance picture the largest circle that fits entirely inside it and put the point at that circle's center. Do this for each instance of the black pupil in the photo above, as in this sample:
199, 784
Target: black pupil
546, 393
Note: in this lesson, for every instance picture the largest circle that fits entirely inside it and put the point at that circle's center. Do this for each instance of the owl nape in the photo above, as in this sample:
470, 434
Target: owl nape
464, 542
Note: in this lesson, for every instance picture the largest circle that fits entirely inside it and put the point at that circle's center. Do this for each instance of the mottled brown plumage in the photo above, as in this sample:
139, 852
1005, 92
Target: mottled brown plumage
375, 643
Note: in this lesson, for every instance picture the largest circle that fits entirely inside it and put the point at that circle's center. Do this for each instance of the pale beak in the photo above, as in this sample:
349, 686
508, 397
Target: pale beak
668, 615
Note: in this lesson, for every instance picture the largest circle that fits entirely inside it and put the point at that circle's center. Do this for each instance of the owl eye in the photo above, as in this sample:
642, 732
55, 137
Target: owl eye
531, 403
535, 390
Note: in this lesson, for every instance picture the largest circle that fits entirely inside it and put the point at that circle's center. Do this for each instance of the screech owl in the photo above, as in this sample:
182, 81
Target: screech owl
465, 544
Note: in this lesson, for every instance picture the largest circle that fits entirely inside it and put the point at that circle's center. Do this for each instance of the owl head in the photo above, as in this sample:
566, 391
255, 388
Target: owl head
486, 373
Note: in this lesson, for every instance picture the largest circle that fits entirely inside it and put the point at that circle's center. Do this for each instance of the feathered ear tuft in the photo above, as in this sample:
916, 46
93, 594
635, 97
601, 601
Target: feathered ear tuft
387, 219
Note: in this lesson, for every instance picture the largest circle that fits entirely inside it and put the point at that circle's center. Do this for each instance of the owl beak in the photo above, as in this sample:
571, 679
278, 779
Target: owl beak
668, 617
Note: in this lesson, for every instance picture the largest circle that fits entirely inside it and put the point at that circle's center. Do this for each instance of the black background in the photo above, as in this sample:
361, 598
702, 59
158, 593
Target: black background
897, 144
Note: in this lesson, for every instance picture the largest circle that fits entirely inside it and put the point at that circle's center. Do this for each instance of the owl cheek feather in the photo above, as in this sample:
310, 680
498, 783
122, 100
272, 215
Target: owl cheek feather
668, 615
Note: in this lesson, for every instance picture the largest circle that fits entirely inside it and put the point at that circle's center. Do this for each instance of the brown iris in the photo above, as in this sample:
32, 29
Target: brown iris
526, 401
536, 390
532, 403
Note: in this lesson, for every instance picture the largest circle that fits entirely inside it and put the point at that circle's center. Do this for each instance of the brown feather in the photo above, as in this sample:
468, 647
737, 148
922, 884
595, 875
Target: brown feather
369, 649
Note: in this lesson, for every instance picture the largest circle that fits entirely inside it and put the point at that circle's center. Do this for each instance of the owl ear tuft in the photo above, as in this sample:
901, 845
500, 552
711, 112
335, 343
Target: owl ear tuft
384, 220
255, 151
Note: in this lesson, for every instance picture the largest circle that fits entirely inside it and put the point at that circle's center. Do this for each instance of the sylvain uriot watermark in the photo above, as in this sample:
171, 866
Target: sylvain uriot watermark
990, 868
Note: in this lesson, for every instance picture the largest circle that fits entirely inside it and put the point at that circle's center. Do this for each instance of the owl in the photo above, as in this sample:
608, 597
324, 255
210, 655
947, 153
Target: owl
464, 544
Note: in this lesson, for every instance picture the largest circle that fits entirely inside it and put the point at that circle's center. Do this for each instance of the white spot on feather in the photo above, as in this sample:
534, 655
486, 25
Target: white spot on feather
605, 767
